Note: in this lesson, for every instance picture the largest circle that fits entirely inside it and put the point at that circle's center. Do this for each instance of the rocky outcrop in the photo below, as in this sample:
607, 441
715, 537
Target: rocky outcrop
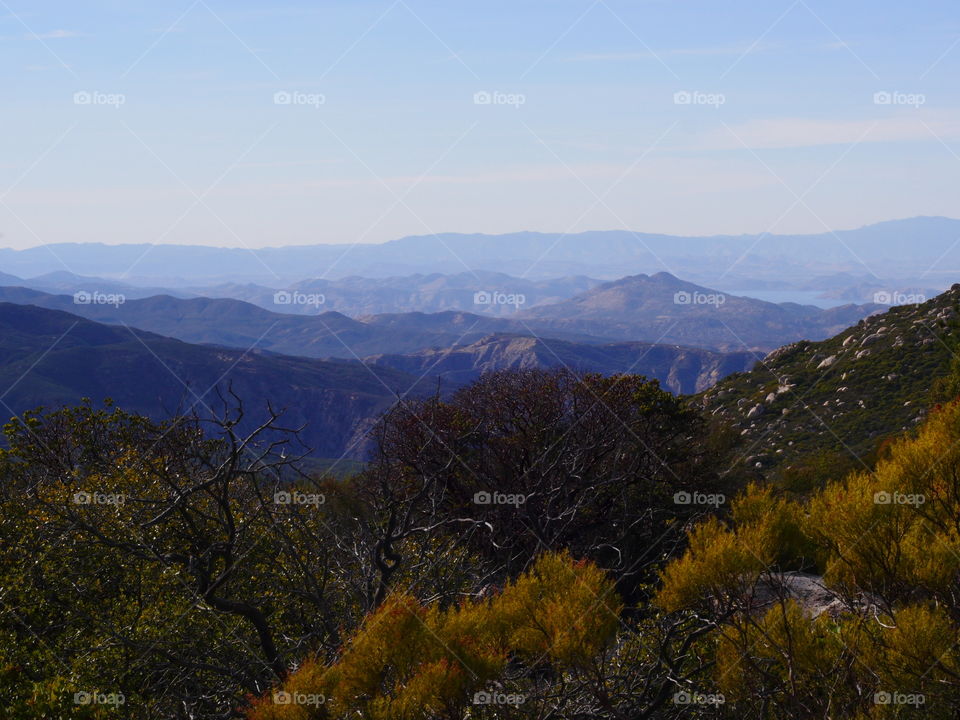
681, 370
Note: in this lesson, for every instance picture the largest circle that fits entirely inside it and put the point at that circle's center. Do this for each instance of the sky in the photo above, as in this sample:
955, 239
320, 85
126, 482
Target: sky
253, 124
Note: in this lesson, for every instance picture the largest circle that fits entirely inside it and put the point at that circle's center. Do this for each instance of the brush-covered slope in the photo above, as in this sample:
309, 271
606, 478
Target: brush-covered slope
844, 395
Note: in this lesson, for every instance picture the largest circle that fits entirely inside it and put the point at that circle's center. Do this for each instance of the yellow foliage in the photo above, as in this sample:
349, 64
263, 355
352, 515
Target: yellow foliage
895, 528
803, 653
564, 610
888, 539
724, 560
409, 661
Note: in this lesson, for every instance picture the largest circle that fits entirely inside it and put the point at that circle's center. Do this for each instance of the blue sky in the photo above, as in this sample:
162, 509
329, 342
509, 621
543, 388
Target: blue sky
167, 122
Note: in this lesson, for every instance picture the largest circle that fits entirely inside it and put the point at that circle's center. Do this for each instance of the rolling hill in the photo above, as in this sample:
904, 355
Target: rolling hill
658, 309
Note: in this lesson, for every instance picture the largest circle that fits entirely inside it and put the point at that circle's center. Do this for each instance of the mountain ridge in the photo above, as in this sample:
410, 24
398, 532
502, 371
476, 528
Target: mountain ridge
604, 253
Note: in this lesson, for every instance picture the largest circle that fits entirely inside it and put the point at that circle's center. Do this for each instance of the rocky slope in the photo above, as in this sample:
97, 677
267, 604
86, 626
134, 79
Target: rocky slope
681, 370
842, 395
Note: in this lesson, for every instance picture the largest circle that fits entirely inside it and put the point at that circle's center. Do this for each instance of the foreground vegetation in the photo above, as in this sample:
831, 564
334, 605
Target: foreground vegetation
540, 545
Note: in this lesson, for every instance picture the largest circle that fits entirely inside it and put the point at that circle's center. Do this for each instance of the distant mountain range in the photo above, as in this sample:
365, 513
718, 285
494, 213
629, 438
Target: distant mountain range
359, 296
802, 396
651, 309
67, 283
51, 358
238, 324
353, 296
918, 246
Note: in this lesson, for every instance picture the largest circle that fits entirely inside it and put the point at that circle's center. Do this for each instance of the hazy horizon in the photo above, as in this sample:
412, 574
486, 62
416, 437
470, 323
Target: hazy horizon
467, 233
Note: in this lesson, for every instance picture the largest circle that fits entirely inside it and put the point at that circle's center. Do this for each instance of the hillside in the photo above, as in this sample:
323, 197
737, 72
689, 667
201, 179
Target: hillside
843, 395
661, 308
681, 370
52, 358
